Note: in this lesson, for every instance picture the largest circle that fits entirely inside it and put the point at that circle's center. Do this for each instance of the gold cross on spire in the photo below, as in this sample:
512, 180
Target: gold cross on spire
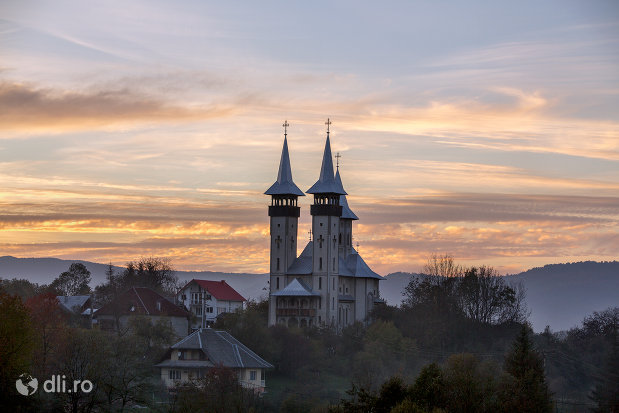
285, 125
337, 159
310, 234
328, 123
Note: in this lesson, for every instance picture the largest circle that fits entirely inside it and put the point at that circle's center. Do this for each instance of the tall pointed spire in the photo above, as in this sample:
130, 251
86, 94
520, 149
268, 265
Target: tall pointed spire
346, 211
326, 182
284, 184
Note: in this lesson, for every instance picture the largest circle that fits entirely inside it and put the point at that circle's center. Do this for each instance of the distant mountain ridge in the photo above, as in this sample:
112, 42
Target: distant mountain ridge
559, 295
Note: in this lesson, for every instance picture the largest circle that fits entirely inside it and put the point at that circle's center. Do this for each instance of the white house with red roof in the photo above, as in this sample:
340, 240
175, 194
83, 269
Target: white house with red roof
206, 300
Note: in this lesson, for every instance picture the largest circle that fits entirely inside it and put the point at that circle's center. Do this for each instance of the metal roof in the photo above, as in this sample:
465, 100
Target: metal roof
284, 184
346, 211
302, 265
326, 183
221, 290
359, 268
351, 266
222, 348
296, 288
73, 302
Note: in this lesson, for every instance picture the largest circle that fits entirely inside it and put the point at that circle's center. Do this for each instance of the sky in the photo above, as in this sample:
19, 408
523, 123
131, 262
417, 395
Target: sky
484, 130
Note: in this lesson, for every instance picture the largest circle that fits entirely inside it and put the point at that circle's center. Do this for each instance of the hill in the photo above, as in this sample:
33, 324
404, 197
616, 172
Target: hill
559, 295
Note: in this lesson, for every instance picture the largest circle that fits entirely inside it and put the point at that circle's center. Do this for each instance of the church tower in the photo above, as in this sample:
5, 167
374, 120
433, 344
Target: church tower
326, 211
284, 218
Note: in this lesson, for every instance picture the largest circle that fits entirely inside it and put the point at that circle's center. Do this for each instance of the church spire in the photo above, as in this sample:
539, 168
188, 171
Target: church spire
284, 184
346, 211
326, 182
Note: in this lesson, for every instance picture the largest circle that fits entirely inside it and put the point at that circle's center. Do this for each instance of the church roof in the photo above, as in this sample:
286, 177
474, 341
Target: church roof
359, 268
302, 265
346, 211
326, 183
351, 266
296, 288
284, 184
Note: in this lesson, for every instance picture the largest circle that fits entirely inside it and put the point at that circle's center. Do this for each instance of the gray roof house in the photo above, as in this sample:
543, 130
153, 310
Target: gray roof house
190, 358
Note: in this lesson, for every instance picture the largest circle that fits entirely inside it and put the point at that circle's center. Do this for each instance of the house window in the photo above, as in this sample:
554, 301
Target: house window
174, 374
181, 355
261, 374
158, 305
197, 310
252, 375
209, 309
207, 297
195, 298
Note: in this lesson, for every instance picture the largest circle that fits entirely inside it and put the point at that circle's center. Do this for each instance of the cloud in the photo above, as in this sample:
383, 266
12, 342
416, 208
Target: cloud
23, 106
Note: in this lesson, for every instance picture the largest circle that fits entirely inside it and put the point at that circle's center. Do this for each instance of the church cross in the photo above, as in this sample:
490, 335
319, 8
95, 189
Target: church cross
328, 123
337, 157
285, 125
320, 240
278, 240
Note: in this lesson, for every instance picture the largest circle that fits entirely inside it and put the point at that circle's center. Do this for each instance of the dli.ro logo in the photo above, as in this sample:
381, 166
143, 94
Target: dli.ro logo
27, 385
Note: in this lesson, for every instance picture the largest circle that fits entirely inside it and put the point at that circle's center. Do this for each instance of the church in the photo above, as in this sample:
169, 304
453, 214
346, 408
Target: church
329, 284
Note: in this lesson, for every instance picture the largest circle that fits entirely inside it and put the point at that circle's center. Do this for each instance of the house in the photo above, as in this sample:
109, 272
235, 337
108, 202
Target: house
206, 300
329, 284
190, 358
144, 302
76, 304
78, 307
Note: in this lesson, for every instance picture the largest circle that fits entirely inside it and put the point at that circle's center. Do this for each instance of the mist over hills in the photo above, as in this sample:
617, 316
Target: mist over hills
559, 295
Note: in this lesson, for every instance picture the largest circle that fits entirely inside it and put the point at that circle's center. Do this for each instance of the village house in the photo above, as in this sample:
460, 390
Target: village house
142, 301
190, 358
207, 300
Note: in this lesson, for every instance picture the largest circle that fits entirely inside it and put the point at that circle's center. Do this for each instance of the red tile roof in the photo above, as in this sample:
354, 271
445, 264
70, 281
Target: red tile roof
221, 290
144, 302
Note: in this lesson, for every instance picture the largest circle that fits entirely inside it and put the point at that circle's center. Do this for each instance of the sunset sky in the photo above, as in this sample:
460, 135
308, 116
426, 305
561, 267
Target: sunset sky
487, 130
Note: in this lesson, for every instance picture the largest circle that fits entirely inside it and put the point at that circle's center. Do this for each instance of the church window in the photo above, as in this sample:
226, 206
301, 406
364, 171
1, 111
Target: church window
340, 237
333, 264
333, 303
320, 283
278, 264
277, 278
334, 283
320, 263
319, 304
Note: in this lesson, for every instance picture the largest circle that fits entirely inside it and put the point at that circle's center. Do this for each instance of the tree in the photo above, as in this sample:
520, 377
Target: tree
48, 321
16, 345
73, 282
428, 391
218, 392
523, 387
152, 272
486, 297
606, 392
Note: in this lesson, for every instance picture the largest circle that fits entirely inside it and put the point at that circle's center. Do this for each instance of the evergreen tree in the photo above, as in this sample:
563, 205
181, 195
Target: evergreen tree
524, 388
606, 392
